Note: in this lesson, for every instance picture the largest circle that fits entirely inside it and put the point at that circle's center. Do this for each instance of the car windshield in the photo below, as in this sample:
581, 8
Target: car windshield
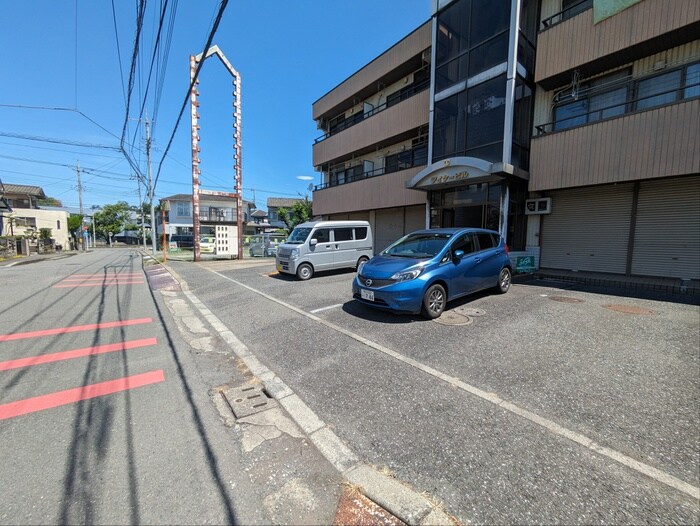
419, 246
299, 235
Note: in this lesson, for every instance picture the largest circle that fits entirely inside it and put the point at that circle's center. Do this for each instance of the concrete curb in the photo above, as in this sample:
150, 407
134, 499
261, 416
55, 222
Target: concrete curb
394, 496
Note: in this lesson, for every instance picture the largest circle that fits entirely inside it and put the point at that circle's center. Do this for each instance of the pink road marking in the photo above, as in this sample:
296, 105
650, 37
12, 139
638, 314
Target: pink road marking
75, 353
106, 284
74, 328
70, 396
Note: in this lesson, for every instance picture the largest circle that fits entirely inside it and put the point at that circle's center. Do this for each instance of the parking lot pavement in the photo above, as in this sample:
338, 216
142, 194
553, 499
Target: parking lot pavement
546, 405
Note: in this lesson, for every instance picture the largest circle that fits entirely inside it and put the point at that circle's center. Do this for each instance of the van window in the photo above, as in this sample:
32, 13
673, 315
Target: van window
342, 234
361, 233
485, 241
322, 235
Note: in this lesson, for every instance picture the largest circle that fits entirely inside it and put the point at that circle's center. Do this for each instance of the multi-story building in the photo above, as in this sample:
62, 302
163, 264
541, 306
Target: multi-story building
213, 210
568, 125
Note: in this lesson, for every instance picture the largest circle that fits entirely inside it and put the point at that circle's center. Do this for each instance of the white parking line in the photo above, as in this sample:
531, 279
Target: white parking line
493, 398
326, 308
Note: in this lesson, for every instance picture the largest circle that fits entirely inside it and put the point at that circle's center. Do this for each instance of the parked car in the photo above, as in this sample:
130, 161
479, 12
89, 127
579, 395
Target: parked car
325, 245
264, 244
424, 270
207, 245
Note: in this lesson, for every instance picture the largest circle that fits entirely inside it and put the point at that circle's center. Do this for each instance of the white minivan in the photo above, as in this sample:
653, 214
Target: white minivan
324, 245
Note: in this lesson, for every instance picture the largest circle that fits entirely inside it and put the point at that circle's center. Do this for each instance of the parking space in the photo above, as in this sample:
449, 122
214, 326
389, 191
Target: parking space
614, 378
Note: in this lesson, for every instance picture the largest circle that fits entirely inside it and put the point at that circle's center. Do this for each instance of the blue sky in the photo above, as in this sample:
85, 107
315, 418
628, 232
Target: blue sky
289, 53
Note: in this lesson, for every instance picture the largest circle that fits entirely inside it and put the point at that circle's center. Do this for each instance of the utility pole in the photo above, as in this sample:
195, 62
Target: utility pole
143, 216
150, 186
194, 119
80, 201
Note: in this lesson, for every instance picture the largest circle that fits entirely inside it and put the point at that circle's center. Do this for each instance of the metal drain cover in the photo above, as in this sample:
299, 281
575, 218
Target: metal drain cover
565, 299
470, 312
453, 318
248, 399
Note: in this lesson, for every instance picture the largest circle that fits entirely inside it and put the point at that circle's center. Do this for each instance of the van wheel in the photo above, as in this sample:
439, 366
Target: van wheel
504, 281
434, 302
305, 271
363, 259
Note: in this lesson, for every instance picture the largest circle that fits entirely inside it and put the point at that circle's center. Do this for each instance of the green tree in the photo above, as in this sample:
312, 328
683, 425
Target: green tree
75, 223
300, 212
112, 218
44, 233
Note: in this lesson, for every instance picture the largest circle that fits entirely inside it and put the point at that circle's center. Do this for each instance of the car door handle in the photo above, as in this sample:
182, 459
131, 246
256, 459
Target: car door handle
477, 260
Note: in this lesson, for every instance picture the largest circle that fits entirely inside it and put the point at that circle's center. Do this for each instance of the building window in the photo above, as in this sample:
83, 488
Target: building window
58, 224
658, 90
183, 209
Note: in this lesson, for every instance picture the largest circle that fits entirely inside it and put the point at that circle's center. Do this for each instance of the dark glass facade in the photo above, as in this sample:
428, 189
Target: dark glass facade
482, 108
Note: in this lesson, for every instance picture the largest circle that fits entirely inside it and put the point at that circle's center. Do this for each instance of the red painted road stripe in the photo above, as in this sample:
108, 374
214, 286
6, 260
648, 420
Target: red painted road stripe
75, 353
106, 284
75, 328
70, 396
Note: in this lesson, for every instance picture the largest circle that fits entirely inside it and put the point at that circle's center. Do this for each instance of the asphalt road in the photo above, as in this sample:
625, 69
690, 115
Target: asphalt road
549, 406
104, 416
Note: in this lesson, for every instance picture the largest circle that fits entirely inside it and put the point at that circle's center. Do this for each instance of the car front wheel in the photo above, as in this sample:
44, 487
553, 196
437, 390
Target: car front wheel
504, 281
363, 259
434, 302
305, 271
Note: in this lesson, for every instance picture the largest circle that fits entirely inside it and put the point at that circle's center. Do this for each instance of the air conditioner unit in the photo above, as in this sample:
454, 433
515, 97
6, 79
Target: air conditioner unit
541, 205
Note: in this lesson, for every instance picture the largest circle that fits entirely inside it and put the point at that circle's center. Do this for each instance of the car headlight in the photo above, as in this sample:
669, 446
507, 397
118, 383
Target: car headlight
295, 253
359, 267
407, 275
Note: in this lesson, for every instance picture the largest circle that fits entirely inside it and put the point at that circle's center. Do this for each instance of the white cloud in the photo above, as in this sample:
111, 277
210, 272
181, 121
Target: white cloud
305, 178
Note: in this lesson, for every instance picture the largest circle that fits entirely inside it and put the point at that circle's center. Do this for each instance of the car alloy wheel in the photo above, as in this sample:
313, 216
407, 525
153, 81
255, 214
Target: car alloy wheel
434, 301
504, 280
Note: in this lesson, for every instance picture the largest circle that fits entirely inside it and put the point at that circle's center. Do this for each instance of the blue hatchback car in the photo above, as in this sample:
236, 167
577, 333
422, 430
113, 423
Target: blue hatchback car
424, 270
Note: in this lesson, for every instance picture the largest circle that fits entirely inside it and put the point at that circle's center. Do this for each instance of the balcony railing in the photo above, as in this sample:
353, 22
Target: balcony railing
220, 216
565, 14
664, 93
392, 100
417, 156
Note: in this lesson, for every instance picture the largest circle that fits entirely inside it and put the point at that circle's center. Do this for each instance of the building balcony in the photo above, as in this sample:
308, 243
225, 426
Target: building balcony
659, 142
372, 193
395, 121
219, 216
576, 43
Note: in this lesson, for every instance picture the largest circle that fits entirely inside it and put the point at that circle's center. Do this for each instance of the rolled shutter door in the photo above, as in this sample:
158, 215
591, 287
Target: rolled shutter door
667, 233
588, 229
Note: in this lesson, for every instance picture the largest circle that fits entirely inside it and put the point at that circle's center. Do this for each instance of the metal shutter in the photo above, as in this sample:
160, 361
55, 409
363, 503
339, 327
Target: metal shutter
588, 229
667, 235
388, 228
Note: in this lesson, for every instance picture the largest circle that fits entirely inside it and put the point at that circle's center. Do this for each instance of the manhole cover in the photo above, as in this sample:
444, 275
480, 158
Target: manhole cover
247, 400
629, 309
475, 313
565, 299
453, 318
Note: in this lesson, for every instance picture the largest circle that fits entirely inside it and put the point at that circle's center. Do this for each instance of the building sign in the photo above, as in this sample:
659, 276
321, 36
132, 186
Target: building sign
451, 171
603, 9
524, 264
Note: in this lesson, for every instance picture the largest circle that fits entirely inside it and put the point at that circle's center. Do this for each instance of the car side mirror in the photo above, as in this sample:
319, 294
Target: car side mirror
458, 255
313, 242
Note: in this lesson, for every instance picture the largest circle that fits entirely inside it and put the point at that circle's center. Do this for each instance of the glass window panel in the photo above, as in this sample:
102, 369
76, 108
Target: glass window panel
342, 234
489, 54
692, 81
607, 104
522, 116
570, 115
492, 153
485, 112
449, 126
453, 31
361, 233
485, 241
528, 18
489, 17
655, 91
451, 73
322, 235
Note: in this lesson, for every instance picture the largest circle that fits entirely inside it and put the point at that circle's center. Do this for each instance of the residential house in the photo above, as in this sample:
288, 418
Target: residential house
27, 214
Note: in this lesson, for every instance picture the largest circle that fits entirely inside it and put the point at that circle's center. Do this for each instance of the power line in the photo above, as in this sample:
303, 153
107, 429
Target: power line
119, 54
57, 141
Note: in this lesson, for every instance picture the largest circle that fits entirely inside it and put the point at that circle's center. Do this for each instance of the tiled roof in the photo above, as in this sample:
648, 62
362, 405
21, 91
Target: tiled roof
24, 189
282, 202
